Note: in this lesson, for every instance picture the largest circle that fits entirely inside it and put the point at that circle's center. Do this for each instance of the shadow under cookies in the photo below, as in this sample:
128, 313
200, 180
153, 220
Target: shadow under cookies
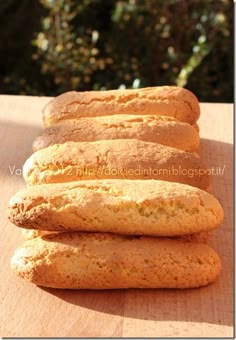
189, 305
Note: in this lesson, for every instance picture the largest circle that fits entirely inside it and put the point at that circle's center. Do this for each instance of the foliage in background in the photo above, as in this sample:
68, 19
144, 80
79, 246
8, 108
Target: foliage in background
19, 20
98, 44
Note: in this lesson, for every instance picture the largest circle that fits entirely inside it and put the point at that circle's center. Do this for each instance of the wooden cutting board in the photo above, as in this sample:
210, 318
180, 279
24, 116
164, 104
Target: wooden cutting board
29, 311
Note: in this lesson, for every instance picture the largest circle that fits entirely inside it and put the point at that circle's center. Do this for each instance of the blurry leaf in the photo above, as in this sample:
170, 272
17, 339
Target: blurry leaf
136, 83
199, 53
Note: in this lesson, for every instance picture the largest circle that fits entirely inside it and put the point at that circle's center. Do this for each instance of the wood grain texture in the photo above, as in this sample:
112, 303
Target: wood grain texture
29, 311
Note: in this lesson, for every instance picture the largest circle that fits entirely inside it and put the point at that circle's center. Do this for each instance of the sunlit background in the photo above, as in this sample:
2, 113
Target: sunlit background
51, 46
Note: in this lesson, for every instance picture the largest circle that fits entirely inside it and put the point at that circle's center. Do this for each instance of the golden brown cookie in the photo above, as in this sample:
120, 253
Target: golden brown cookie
135, 207
106, 261
157, 129
115, 159
171, 101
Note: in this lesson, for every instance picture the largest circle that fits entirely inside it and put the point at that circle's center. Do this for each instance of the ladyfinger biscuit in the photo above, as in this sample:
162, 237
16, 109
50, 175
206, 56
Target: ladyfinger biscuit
115, 159
157, 129
135, 207
164, 100
201, 237
105, 261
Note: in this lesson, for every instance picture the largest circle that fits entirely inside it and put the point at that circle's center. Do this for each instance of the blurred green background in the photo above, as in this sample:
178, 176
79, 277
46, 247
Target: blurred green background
51, 46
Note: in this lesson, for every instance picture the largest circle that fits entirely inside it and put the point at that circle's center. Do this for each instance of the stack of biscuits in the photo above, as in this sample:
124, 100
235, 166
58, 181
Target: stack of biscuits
117, 196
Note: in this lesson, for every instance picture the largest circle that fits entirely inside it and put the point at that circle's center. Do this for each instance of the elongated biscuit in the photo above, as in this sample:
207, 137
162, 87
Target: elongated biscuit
135, 207
157, 129
201, 237
106, 261
164, 100
118, 159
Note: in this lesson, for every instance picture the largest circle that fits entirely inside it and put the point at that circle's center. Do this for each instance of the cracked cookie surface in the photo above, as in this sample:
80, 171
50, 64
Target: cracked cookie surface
135, 207
115, 159
171, 101
106, 261
157, 129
